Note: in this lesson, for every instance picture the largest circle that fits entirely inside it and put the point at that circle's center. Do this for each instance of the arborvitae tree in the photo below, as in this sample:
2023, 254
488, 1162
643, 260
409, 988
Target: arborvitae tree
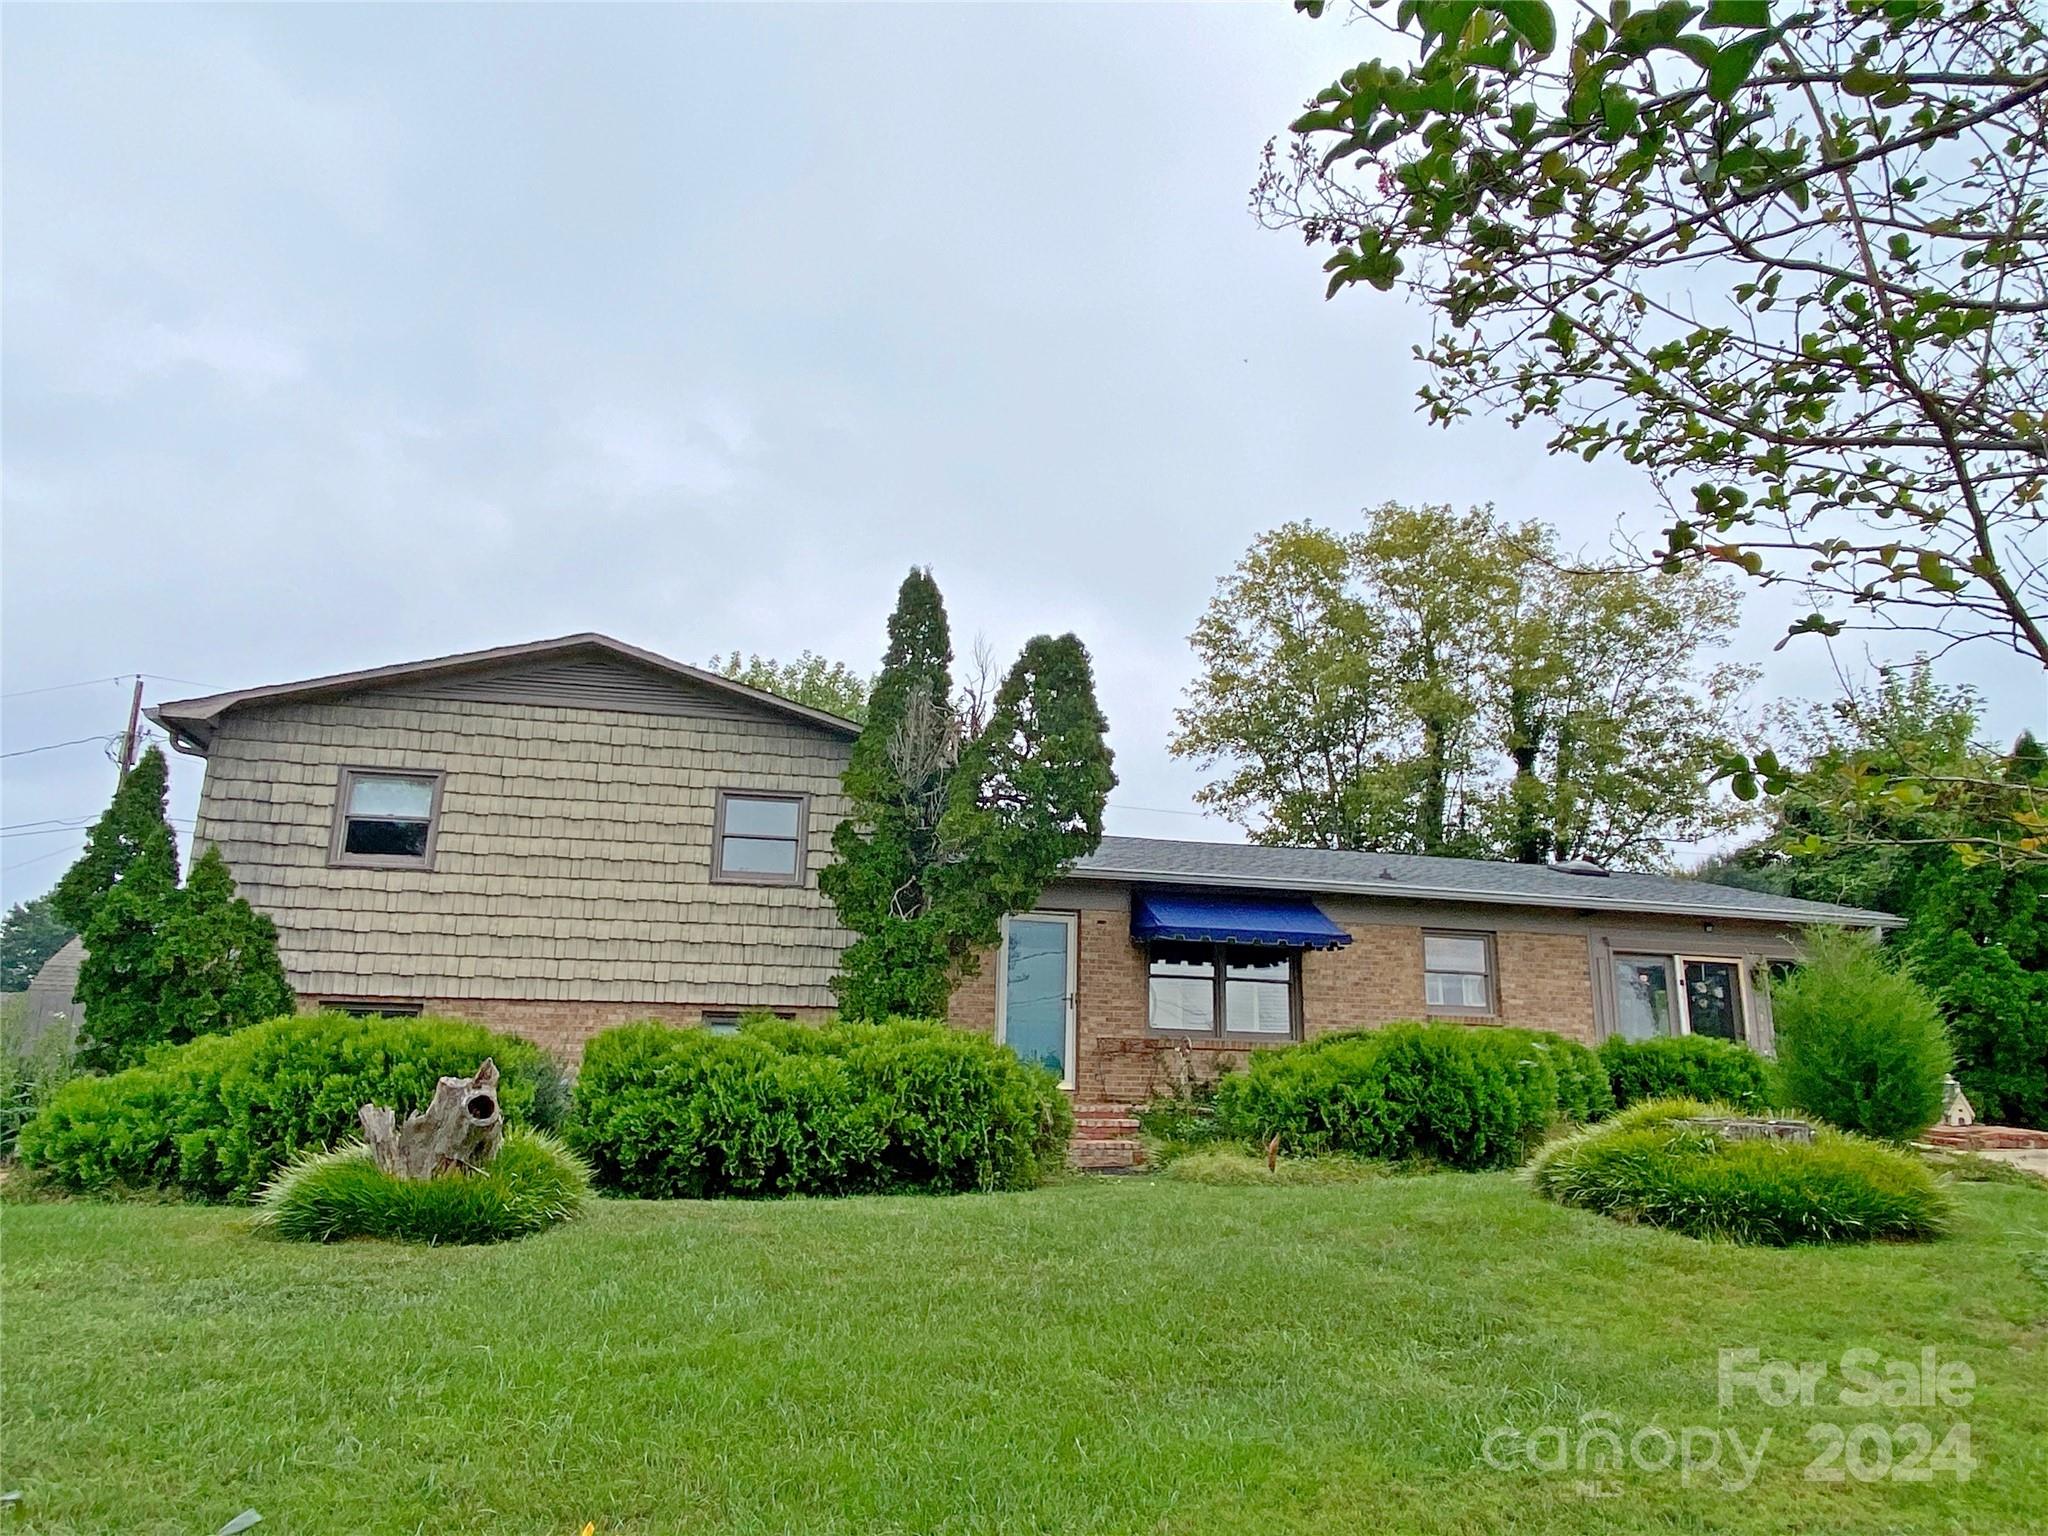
120, 983
1029, 794
948, 835
897, 778
138, 810
217, 959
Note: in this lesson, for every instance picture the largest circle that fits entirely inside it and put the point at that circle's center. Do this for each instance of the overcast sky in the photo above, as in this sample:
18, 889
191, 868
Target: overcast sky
336, 337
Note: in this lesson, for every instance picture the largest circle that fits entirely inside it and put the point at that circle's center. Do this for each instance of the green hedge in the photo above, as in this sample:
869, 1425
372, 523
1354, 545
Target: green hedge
782, 1109
1643, 1167
1466, 1097
1584, 1092
324, 1197
1685, 1067
216, 1118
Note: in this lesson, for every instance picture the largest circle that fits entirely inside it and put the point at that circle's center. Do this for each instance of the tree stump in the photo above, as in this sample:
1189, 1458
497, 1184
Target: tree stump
460, 1128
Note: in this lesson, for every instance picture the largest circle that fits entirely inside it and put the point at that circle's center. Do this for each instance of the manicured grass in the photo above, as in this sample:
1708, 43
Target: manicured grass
1116, 1355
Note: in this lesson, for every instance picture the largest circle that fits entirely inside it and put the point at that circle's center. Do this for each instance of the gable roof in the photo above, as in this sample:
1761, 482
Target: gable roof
194, 719
1411, 877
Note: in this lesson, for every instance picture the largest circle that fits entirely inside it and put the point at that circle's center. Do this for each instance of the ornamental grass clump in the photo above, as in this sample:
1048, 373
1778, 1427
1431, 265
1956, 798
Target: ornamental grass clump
532, 1183
1651, 1165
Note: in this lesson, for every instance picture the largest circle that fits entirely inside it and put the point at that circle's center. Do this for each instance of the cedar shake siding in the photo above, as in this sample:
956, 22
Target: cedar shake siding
571, 883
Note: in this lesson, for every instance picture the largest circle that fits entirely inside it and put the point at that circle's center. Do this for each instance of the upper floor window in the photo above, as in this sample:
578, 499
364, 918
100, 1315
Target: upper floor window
1457, 972
386, 820
759, 839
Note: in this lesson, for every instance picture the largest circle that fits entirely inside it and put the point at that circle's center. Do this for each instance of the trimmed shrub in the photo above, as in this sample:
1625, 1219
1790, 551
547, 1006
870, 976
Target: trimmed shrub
1642, 1166
1860, 1043
323, 1197
1469, 1098
216, 1118
784, 1109
1685, 1066
1584, 1093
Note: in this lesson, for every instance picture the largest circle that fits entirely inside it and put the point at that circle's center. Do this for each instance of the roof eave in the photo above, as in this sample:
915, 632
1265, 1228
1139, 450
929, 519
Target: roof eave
195, 715
1848, 917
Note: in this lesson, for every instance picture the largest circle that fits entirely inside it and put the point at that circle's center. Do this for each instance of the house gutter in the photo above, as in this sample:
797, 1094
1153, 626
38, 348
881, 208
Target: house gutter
1850, 917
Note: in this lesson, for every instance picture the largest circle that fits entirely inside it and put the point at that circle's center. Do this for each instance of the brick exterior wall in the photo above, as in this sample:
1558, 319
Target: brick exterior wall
1545, 968
562, 1029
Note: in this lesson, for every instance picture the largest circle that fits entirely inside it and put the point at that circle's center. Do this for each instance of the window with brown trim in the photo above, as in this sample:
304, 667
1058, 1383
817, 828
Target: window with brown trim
759, 838
1457, 972
1221, 989
385, 819
356, 1008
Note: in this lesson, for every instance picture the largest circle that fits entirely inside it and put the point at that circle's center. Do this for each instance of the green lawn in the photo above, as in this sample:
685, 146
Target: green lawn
1108, 1355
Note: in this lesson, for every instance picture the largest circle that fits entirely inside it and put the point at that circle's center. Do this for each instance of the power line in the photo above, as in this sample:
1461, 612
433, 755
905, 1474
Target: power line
91, 682
94, 682
53, 746
39, 858
31, 829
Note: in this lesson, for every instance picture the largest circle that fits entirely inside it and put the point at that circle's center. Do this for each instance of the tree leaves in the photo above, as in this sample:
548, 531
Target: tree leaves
1435, 684
1734, 64
1582, 216
1532, 22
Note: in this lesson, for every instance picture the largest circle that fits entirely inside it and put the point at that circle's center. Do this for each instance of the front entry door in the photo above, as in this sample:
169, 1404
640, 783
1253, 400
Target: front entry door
1035, 990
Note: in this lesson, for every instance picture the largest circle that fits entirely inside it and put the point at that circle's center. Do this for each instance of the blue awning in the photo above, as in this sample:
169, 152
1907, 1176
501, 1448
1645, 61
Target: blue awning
1292, 922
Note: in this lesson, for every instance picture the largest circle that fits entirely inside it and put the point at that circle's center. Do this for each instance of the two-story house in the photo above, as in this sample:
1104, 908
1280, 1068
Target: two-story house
556, 837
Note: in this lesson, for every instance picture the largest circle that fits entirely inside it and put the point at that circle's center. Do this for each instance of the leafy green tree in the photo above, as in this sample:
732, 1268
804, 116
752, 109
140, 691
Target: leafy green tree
1792, 262
139, 810
950, 829
121, 980
1976, 931
216, 957
29, 934
1443, 683
831, 686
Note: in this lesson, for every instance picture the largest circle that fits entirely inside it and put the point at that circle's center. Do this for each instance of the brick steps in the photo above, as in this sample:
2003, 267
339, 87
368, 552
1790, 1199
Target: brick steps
1986, 1138
1105, 1138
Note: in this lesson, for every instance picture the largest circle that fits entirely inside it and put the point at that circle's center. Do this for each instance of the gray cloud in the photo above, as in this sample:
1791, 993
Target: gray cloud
337, 336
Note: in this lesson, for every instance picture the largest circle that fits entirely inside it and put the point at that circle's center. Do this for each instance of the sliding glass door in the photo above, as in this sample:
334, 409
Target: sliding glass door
1671, 995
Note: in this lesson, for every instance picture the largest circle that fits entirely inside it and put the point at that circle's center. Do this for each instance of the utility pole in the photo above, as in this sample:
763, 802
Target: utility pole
128, 736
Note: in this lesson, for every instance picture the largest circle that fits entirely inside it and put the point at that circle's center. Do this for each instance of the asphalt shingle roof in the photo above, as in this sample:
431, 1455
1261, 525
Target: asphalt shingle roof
1410, 877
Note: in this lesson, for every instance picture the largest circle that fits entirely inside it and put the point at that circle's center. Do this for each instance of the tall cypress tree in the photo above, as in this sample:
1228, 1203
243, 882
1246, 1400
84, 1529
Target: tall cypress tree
946, 836
897, 778
138, 811
1029, 794
217, 960
120, 983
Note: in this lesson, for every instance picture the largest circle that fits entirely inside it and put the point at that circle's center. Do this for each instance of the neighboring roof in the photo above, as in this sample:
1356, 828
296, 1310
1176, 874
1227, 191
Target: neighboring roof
194, 719
1409, 877
49, 1003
